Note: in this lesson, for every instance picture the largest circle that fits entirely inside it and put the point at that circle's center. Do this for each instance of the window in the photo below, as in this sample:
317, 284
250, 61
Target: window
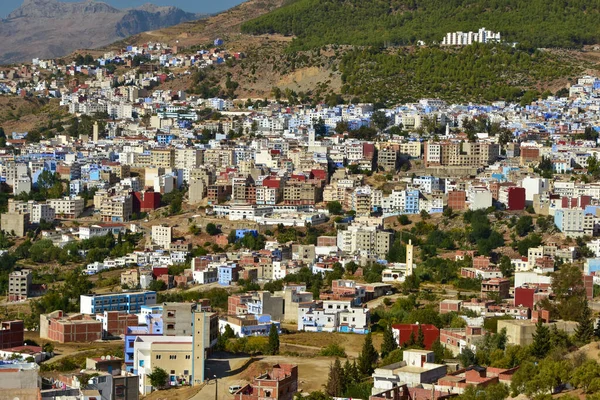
187, 357
158, 356
172, 372
172, 357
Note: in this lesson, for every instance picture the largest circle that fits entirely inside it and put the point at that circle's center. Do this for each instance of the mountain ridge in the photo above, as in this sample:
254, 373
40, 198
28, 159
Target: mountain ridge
52, 29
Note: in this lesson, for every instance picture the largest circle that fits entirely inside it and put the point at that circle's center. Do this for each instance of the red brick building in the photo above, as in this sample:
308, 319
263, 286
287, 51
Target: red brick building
457, 200
59, 327
481, 262
475, 376
501, 286
236, 303
11, 334
280, 383
326, 241
115, 323
402, 332
448, 306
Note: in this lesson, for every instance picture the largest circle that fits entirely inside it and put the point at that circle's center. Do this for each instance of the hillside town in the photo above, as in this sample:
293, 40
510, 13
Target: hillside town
190, 229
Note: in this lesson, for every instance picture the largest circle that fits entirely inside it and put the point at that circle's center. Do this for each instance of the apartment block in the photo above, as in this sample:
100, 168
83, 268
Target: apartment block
68, 207
162, 235
178, 318
116, 208
19, 285
367, 240
387, 159
460, 154
182, 357
333, 316
299, 193
163, 158
129, 302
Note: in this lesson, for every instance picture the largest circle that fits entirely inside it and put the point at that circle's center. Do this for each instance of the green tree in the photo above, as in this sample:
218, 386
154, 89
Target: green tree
380, 120
420, 340
467, 357
506, 267
157, 285
593, 166
273, 345
438, 351
212, 229
587, 376
158, 378
524, 225
448, 212
585, 325
570, 293
368, 356
389, 343
335, 381
334, 207
541, 341
498, 391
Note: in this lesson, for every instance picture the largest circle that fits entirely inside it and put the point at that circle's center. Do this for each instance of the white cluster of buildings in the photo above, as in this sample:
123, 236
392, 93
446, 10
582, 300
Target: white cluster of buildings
466, 38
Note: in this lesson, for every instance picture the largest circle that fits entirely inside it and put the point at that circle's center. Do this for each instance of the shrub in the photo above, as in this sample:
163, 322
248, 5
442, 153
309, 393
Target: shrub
333, 350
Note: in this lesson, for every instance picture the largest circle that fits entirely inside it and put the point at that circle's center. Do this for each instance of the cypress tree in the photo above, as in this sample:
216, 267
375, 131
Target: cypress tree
335, 381
389, 343
420, 342
541, 341
585, 327
411, 341
273, 345
368, 356
438, 351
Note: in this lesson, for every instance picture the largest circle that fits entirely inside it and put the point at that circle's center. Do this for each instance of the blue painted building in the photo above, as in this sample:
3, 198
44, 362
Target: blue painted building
153, 328
129, 302
411, 205
240, 233
591, 266
228, 274
164, 138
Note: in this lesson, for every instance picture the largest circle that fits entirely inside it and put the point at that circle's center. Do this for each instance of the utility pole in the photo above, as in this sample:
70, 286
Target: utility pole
216, 387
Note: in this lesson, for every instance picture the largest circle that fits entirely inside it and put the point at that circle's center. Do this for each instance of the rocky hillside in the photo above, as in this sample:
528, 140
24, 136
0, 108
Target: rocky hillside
49, 28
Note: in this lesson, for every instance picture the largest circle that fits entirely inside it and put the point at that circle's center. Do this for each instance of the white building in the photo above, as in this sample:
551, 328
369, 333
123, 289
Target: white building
466, 38
417, 367
479, 198
534, 186
162, 235
333, 316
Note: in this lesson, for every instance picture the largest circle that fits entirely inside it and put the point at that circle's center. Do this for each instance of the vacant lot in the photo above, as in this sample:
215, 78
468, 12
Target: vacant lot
317, 340
312, 373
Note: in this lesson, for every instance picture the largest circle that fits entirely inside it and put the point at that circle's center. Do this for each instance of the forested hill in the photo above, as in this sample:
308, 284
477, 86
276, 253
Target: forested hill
539, 23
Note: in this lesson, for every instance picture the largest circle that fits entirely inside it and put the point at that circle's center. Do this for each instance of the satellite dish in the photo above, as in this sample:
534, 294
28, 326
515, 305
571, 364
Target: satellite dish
103, 358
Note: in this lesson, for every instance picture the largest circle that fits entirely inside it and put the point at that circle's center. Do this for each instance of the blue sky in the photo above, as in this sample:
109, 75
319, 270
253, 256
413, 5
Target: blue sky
197, 6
